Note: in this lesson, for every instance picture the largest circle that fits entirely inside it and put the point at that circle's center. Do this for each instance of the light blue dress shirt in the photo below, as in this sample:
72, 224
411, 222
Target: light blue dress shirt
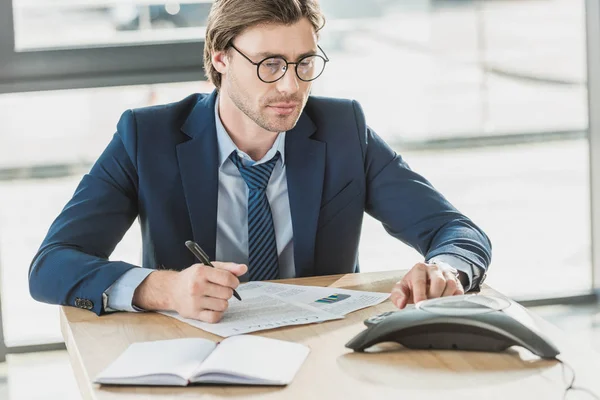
232, 222
232, 209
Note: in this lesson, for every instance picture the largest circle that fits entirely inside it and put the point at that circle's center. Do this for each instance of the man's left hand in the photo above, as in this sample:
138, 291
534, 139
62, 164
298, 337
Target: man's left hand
426, 281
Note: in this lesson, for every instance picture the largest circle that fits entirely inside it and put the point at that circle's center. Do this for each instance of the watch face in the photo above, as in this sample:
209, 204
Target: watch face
469, 304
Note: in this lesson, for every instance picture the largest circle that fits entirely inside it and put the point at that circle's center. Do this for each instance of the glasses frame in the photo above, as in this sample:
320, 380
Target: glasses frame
287, 64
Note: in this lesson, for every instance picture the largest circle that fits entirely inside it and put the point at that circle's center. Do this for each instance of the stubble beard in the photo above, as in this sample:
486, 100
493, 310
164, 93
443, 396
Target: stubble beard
271, 123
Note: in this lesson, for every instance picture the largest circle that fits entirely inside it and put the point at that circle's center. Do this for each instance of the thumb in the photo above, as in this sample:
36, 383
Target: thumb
234, 268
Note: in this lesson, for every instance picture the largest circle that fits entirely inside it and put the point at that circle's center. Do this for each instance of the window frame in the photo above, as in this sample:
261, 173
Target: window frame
100, 66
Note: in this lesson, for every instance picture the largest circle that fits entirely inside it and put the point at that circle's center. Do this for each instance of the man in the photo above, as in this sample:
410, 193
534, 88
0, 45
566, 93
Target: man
268, 180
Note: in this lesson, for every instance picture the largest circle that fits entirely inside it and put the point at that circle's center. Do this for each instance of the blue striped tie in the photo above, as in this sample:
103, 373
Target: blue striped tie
263, 262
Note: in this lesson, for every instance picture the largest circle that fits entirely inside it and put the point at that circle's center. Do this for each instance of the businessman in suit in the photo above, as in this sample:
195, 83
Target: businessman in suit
268, 180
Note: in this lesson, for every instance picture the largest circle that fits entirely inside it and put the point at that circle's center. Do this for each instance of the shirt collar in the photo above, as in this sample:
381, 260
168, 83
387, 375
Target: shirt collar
226, 145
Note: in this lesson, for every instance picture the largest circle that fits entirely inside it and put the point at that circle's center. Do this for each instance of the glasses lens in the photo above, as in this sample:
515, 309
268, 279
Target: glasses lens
271, 69
310, 67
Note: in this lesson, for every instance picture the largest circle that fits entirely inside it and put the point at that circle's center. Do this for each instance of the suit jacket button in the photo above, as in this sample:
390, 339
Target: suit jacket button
78, 302
88, 304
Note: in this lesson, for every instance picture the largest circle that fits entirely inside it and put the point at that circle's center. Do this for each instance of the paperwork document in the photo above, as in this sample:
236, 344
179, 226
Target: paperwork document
333, 300
267, 305
257, 313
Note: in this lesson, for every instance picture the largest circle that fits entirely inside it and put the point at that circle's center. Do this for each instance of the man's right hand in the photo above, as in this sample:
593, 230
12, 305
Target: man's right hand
201, 292
198, 292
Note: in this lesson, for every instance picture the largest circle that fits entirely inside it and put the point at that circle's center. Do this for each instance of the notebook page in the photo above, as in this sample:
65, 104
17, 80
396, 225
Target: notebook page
178, 357
254, 359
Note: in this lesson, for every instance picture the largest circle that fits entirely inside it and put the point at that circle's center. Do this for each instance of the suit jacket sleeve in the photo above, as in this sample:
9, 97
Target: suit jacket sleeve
71, 267
412, 210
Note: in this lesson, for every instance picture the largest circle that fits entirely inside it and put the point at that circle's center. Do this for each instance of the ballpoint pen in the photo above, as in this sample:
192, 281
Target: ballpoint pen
203, 257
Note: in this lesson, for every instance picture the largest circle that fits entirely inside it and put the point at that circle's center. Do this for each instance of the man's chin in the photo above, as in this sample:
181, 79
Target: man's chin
282, 124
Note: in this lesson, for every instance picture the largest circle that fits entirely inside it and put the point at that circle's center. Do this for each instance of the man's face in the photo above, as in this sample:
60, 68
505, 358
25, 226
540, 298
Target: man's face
275, 106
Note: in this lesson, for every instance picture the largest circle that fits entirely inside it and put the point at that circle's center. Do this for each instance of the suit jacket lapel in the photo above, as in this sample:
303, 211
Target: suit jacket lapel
305, 166
199, 167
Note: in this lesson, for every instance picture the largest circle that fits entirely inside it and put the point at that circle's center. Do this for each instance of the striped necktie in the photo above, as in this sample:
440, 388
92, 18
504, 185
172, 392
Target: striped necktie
263, 261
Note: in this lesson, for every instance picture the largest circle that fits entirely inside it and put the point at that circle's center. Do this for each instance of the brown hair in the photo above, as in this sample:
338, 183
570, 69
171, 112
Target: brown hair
229, 18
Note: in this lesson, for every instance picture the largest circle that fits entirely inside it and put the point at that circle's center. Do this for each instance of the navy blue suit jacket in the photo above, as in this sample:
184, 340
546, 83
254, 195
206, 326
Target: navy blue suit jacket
162, 166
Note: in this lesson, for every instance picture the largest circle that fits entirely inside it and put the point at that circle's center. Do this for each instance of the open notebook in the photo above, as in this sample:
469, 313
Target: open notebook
242, 360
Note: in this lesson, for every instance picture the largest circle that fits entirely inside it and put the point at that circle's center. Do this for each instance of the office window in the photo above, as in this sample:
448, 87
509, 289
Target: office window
42, 160
74, 24
66, 44
487, 99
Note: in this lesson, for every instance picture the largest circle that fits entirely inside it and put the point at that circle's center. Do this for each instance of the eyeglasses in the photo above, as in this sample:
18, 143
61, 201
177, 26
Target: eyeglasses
272, 69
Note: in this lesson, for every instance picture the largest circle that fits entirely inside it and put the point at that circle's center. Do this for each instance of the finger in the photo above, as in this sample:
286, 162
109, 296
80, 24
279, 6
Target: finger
218, 291
214, 304
234, 268
460, 289
209, 316
418, 282
452, 284
222, 277
437, 282
401, 294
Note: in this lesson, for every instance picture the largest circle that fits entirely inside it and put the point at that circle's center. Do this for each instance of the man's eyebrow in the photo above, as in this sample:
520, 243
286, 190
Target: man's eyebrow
266, 54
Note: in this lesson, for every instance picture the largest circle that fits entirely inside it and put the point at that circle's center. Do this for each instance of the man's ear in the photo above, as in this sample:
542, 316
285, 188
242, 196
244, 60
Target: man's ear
220, 61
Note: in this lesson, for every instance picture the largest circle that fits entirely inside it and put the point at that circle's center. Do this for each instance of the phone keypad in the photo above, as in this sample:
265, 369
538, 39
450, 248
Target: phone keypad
375, 319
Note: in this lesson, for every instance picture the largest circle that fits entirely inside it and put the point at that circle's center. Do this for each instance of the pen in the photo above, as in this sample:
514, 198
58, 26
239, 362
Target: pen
203, 257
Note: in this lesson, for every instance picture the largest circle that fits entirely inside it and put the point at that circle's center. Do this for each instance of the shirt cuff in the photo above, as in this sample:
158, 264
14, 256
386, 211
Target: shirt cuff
458, 264
119, 296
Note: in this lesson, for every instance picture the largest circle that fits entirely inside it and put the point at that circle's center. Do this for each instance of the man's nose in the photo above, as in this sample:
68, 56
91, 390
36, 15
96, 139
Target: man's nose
289, 82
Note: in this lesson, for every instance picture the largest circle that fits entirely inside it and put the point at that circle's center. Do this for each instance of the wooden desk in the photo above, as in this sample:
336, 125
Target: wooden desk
332, 371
